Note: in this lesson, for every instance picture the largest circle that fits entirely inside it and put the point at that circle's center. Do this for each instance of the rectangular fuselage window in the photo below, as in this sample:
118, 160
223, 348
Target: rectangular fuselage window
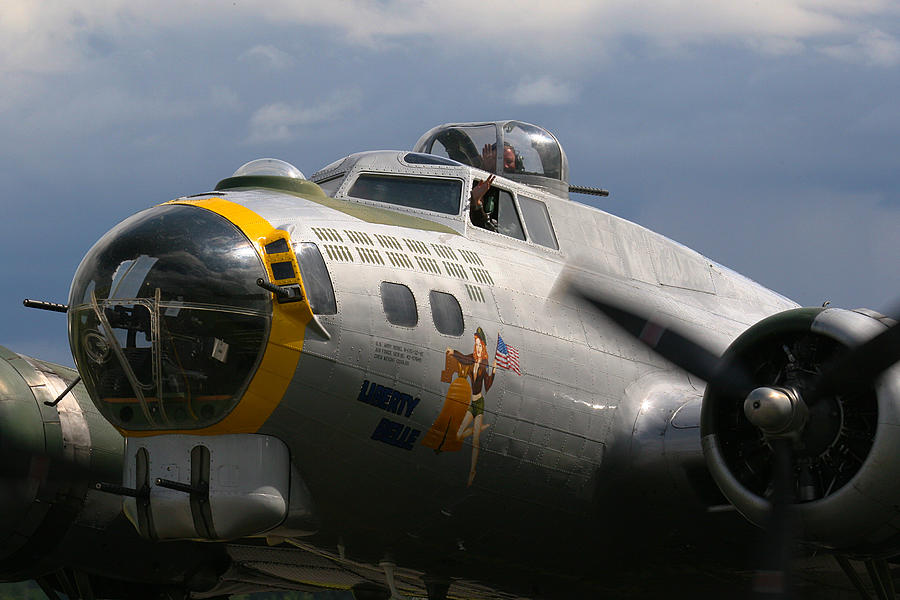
399, 304
446, 312
426, 193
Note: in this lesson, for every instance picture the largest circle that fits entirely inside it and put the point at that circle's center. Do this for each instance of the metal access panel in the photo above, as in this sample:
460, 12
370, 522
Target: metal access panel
206, 487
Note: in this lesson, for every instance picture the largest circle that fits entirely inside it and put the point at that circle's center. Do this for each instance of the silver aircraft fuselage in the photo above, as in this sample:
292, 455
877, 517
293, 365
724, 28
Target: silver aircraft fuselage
550, 427
416, 436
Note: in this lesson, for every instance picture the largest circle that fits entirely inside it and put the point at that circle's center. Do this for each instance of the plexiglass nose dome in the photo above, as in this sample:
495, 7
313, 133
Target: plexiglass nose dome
516, 150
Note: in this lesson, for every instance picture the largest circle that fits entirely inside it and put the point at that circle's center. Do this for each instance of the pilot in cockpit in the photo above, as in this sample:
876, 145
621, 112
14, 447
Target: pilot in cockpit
512, 162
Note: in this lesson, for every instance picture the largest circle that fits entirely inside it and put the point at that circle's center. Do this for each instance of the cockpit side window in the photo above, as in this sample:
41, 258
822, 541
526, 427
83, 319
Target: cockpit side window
537, 220
497, 213
507, 218
428, 193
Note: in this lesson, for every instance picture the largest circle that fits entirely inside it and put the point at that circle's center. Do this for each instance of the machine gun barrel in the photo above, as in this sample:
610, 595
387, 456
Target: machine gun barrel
591, 191
43, 305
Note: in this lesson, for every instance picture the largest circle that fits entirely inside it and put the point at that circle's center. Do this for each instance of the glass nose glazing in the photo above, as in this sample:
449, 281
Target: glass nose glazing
166, 322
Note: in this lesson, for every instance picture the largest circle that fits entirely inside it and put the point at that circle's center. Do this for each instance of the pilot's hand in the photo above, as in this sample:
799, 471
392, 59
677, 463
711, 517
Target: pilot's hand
480, 190
489, 158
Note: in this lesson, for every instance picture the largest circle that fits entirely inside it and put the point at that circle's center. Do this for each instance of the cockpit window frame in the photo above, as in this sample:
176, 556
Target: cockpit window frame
515, 204
529, 238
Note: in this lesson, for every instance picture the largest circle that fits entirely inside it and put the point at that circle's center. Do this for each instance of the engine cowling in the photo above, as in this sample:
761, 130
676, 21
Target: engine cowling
53, 525
846, 457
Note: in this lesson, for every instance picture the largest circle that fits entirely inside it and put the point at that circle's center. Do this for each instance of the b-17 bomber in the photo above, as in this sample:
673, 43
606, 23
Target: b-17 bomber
432, 373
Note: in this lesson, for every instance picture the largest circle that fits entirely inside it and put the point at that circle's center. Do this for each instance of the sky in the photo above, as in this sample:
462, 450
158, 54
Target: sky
763, 134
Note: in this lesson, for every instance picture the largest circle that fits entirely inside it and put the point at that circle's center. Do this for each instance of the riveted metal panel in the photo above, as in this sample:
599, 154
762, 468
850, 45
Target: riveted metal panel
634, 249
678, 266
317, 345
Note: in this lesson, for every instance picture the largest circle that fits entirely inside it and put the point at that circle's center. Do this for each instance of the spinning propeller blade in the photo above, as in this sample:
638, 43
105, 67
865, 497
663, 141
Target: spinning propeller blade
676, 347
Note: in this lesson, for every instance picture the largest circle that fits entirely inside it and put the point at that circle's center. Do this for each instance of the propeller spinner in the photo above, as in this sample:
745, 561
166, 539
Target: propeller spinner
776, 411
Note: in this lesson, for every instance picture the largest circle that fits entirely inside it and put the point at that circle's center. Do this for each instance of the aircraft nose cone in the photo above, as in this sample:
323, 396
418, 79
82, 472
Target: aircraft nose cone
22, 454
166, 320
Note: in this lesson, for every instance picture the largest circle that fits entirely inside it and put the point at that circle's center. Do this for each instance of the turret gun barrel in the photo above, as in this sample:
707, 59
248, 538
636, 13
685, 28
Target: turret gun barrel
591, 191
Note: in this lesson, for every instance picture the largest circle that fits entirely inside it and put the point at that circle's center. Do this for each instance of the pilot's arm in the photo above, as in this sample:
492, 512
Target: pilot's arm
477, 214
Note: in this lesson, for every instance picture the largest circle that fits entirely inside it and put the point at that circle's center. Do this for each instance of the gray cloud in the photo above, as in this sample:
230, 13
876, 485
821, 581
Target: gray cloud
280, 121
48, 37
543, 90
267, 56
873, 47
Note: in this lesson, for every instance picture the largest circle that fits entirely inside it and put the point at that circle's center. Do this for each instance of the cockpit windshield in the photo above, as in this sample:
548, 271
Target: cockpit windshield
437, 194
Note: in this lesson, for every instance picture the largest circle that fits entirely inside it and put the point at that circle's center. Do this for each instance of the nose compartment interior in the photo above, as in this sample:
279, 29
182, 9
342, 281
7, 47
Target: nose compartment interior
167, 324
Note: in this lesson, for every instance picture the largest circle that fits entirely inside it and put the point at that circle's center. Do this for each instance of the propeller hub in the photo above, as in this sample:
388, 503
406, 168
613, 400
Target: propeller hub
775, 410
